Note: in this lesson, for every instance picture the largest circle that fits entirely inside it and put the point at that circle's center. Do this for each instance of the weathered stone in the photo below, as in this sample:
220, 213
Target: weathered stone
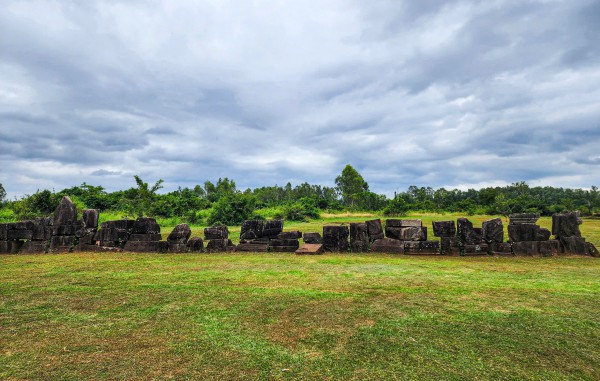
64, 229
5, 247
542, 235
411, 233
20, 234
62, 244
144, 237
42, 229
175, 247
90, 218
272, 228
444, 228
591, 249
34, 247
359, 238
4, 232
87, 239
493, 230
100, 249
523, 232
143, 246
252, 229
466, 233
500, 248
310, 249
479, 249
118, 224
574, 245
549, 248
422, 247
526, 248
294, 234
145, 225
24, 225
111, 234
450, 246
374, 230
523, 218
312, 238
284, 242
180, 234
387, 245
15, 246
335, 238
65, 213
283, 249
565, 225
219, 245
253, 247
216, 232
195, 245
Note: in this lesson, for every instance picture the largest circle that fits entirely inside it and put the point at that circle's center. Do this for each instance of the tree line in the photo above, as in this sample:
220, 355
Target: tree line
223, 203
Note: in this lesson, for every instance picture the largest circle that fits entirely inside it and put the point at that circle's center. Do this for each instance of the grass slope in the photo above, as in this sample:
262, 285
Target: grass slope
279, 316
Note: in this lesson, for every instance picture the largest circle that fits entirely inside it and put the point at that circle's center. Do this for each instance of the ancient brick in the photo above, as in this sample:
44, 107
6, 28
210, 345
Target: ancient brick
574, 245
566, 225
143, 246
359, 238
526, 248
62, 244
145, 225
219, 245
523, 218
65, 213
549, 248
272, 228
253, 247
466, 233
34, 247
90, 218
144, 237
252, 229
294, 234
310, 249
180, 234
479, 249
19, 234
387, 245
374, 230
312, 238
216, 232
523, 232
195, 245
444, 228
493, 230
335, 238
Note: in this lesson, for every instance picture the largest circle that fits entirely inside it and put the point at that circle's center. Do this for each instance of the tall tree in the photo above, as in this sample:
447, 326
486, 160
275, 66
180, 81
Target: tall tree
2, 194
145, 195
351, 185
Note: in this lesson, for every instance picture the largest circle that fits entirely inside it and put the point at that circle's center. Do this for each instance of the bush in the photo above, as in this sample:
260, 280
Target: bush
396, 207
232, 209
302, 210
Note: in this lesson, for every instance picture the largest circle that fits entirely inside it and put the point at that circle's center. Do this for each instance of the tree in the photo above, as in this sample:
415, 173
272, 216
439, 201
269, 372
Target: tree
350, 184
591, 198
145, 196
232, 209
2, 194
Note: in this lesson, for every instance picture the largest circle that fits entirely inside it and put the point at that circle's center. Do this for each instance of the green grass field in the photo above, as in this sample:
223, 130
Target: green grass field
280, 316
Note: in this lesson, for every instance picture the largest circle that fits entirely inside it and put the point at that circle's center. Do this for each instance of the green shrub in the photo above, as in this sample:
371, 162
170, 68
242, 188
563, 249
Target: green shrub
232, 209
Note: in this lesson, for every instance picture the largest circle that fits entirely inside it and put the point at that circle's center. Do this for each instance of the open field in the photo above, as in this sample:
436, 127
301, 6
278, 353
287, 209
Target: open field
279, 316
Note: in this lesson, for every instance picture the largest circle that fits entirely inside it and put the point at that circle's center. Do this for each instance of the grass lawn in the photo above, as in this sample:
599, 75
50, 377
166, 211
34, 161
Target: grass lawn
124, 316
279, 316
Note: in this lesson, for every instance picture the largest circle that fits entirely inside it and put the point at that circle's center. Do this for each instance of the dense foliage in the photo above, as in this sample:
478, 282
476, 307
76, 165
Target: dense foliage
222, 202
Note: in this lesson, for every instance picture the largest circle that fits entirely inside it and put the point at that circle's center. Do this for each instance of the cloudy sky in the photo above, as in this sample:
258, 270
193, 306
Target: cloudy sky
438, 93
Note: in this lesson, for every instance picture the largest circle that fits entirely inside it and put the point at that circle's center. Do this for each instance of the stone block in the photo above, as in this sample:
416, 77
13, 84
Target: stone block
34, 247
526, 248
466, 233
253, 247
42, 229
374, 230
310, 249
219, 245
180, 234
4, 232
5, 247
312, 238
175, 247
450, 246
143, 246
20, 234
62, 244
542, 235
523, 232
65, 229
574, 245
284, 242
118, 224
335, 238
549, 248
65, 213
387, 245
252, 229
294, 234
90, 218
566, 225
359, 238
493, 230
99, 249
523, 218
216, 232
479, 249
591, 249
145, 225
15, 246
283, 249
87, 239
195, 245
410, 233
272, 228
444, 228
500, 248
144, 237
422, 247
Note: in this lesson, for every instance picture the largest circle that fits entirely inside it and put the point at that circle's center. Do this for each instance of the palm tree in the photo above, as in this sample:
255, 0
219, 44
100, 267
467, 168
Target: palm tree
145, 195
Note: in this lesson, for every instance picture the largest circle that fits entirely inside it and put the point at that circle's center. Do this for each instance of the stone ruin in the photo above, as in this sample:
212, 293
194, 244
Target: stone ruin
65, 232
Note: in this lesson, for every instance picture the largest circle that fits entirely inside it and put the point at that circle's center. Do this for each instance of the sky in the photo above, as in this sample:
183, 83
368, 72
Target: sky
453, 94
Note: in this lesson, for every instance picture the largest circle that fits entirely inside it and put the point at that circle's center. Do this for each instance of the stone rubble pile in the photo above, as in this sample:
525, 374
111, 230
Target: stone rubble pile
64, 232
